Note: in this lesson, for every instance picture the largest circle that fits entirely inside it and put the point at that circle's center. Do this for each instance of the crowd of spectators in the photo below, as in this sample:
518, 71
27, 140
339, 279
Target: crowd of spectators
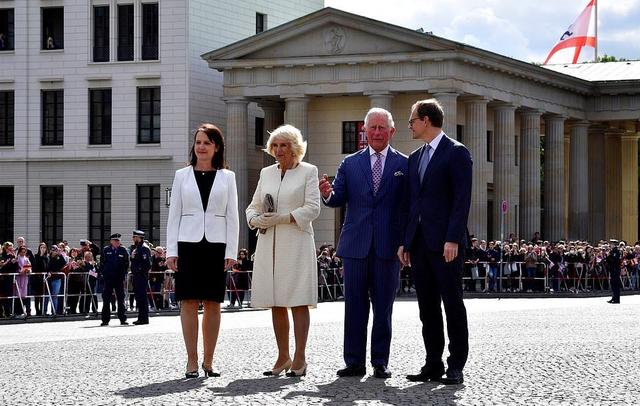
508, 266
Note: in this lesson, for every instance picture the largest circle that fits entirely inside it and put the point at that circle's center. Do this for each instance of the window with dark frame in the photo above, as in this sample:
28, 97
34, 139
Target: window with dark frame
148, 115
52, 28
353, 136
261, 22
99, 214
259, 131
125, 32
148, 199
489, 146
51, 198
52, 117
101, 33
99, 116
460, 133
150, 31
6, 213
7, 118
7, 29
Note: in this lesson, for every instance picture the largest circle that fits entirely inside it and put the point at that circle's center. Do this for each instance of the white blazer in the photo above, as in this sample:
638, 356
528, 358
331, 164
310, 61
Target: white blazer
189, 222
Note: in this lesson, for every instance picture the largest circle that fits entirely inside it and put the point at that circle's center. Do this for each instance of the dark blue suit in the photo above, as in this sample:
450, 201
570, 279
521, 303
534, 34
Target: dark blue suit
438, 213
371, 234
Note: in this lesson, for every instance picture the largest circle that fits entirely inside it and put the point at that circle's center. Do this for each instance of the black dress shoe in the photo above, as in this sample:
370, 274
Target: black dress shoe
352, 370
427, 373
124, 323
140, 322
453, 377
104, 323
381, 371
613, 301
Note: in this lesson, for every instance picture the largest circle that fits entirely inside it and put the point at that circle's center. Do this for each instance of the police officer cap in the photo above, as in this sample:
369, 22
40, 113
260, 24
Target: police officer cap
115, 236
83, 242
138, 233
612, 241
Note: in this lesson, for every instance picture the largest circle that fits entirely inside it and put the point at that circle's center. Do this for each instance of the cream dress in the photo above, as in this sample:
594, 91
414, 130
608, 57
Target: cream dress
285, 271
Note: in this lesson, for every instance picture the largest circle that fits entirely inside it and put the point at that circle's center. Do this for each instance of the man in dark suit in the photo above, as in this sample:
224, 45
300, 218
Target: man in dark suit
439, 200
372, 184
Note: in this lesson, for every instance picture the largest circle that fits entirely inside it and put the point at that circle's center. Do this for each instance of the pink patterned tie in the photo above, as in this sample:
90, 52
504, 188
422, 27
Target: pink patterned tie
376, 172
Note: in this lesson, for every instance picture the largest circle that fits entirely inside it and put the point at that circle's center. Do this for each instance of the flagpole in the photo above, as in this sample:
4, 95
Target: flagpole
595, 3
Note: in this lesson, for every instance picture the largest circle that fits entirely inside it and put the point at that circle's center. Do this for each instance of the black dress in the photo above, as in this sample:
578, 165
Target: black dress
201, 274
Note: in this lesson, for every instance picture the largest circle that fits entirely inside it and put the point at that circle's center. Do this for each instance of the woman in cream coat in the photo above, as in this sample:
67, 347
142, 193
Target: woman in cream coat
285, 272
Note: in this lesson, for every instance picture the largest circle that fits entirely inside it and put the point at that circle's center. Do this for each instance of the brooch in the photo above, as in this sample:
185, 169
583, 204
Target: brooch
399, 173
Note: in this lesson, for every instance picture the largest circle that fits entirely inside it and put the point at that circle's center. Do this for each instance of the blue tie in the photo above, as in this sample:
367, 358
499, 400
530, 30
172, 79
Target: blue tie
424, 161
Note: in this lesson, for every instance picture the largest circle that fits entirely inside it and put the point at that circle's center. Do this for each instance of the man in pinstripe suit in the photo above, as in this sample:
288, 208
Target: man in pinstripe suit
371, 183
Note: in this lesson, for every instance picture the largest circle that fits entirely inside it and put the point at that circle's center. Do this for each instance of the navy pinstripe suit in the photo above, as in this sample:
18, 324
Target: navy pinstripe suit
371, 234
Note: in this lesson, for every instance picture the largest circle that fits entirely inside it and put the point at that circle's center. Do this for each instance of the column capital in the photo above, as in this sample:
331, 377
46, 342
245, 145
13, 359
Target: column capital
530, 112
580, 123
235, 100
295, 97
475, 99
503, 106
630, 137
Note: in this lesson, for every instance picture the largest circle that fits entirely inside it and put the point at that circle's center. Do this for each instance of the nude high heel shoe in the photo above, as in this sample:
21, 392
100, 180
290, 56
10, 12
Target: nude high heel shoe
278, 370
298, 372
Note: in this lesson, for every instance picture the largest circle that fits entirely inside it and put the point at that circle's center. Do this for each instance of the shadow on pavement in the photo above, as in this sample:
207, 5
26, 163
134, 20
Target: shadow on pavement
161, 388
347, 391
246, 387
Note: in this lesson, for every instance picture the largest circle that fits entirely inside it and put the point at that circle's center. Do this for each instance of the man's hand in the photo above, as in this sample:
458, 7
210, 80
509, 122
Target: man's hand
325, 187
172, 263
450, 251
404, 257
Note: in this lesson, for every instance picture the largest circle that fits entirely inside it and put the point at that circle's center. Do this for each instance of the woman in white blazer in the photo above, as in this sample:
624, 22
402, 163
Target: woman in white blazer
284, 272
202, 241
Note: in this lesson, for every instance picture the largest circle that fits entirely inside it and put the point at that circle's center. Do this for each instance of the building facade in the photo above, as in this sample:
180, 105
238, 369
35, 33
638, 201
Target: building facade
98, 100
560, 151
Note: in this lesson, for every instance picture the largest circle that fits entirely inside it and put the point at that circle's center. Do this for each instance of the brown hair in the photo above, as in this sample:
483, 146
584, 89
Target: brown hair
215, 135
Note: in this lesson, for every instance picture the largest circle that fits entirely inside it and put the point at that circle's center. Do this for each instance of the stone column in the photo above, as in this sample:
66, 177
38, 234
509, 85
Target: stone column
273, 118
295, 113
236, 154
530, 174
629, 179
448, 99
579, 181
476, 141
613, 183
596, 179
382, 100
554, 178
504, 160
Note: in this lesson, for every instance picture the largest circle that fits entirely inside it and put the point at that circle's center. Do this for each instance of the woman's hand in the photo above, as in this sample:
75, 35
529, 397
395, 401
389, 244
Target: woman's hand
172, 263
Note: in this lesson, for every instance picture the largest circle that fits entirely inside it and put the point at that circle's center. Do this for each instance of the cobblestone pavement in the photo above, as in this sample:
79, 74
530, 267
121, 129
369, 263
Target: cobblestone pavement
523, 351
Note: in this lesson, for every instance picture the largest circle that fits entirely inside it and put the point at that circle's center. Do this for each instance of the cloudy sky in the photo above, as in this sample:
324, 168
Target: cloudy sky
521, 29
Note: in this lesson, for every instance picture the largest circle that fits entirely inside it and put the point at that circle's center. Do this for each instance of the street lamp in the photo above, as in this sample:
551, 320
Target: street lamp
167, 196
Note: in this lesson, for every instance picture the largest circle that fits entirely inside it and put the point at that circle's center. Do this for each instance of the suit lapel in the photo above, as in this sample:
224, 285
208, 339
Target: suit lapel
365, 165
443, 146
193, 185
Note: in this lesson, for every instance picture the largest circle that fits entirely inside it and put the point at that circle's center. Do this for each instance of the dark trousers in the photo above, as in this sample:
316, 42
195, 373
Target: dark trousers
368, 280
75, 282
438, 281
140, 282
110, 285
616, 284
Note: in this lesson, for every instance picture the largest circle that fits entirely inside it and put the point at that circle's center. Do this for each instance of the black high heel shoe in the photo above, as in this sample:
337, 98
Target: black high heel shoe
209, 373
191, 374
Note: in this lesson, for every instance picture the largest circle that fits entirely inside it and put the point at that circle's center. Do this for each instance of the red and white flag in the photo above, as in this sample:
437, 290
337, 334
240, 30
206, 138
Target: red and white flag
580, 34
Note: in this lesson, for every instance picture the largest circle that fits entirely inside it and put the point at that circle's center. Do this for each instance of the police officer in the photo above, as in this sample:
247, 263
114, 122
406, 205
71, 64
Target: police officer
140, 266
614, 259
115, 263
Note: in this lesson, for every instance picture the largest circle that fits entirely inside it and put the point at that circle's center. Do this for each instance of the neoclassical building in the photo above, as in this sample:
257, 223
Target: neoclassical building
558, 145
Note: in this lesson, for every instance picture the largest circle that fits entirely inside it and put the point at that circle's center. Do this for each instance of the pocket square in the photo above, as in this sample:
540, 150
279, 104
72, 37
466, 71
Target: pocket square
398, 173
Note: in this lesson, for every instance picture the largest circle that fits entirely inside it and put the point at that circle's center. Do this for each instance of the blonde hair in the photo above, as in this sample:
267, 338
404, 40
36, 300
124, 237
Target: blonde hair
291, 135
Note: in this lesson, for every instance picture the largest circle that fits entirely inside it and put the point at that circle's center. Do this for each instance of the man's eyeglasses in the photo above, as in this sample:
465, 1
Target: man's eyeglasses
412, 120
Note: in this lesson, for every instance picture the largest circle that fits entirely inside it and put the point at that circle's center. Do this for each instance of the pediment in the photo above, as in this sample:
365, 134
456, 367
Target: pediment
334, 39
330, 32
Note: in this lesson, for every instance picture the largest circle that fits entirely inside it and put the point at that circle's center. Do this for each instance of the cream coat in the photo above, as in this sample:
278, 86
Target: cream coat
285, 271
